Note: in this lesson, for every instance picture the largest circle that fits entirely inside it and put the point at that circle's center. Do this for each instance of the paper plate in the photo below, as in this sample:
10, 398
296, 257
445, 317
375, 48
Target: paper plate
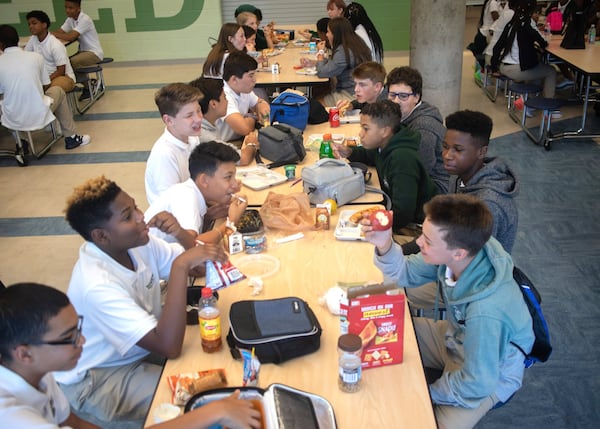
260, 265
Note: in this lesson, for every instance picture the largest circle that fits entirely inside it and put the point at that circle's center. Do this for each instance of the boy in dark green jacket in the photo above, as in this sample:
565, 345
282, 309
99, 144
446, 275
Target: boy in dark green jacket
393, 149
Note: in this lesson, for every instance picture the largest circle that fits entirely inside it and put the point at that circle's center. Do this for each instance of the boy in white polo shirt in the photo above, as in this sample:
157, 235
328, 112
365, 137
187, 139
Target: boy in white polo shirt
53, 50
115, 286
40, 332
167, 164
79, 26
212, 178
244, 108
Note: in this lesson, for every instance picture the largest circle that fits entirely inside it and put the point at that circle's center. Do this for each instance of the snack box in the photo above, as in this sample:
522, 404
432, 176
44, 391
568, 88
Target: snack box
347, 231
378, 319
280, 406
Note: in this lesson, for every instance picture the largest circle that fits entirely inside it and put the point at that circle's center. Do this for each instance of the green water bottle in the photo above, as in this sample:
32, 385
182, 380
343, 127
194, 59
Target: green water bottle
326, 151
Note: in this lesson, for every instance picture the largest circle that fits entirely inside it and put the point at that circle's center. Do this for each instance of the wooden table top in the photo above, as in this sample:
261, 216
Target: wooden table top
394, 396
587, 60
289, 57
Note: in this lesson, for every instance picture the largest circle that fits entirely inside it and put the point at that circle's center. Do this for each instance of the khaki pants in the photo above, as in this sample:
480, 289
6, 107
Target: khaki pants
84, 59
65, 82
431, 339
62, 111
115, 397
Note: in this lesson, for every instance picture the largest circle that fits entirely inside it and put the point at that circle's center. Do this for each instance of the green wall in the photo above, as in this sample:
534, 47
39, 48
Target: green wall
136, 30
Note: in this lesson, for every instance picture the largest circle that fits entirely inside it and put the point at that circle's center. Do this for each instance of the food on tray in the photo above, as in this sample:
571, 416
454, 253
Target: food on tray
356, 217
381, 220
186, 385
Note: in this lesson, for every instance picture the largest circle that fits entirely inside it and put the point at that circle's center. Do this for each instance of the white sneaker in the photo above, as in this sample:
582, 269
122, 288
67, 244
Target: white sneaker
77, 140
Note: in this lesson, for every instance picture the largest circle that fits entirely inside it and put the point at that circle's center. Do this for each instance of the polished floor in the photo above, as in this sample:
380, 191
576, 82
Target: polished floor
558, 242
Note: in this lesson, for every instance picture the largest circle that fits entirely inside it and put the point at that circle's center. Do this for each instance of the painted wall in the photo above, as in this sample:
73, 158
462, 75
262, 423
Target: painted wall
134, 30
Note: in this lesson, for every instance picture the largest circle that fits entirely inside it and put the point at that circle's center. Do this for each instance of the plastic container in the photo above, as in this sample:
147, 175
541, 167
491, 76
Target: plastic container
209, 318
349, 362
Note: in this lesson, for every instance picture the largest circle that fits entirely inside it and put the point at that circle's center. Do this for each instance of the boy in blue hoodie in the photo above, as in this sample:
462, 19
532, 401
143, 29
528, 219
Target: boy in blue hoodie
487, 316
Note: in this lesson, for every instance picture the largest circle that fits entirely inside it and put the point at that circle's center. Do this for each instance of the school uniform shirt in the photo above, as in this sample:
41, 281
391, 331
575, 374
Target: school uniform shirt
120, 306
185, 202
54, 53
497, 27
491, 6
25, 107
24, 406
236, 103
361, 32
88, 36
168, 164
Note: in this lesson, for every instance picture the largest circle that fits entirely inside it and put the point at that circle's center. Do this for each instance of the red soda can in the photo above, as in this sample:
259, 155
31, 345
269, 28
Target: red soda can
334, 117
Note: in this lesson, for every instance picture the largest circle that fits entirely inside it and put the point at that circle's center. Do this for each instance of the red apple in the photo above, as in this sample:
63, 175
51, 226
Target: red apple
381, 220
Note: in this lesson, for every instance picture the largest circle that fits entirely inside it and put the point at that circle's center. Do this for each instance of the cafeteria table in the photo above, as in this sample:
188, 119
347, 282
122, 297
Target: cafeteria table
390, 396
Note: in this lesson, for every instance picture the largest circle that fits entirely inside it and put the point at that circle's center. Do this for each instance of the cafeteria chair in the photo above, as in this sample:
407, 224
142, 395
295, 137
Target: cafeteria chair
523, 90
499, 79
90, 80
548, 106
25, 142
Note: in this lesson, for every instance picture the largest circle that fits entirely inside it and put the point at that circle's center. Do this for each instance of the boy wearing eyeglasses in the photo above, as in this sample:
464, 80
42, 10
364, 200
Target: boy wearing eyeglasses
40, 332
115, 285
392, 148
405, 87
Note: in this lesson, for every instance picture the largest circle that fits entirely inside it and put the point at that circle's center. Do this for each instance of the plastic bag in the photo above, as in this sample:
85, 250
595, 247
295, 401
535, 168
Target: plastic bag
290, 212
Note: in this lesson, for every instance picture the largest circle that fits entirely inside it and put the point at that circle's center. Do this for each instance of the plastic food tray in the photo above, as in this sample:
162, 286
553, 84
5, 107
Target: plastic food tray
347, 231
260, 265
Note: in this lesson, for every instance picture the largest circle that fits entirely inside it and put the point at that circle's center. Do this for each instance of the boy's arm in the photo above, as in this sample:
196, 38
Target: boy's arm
71, 36
166, 338
242, 125
78, 423
168, 224
60, 71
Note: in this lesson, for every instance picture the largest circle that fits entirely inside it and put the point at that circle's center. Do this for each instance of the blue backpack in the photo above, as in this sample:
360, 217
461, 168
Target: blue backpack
541, 350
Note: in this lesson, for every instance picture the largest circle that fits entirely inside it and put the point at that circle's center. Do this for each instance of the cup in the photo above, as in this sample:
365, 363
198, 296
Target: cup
312, 47
290, 172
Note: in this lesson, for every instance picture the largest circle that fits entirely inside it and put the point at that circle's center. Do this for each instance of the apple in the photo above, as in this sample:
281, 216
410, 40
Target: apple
381, 220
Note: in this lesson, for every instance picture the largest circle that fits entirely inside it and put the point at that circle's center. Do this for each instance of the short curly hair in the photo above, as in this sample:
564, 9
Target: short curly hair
88, 207
408, 76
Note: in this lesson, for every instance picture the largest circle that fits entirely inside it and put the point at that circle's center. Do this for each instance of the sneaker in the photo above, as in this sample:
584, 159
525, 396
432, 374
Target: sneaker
565, 84
85, 94
25, 145
76, 141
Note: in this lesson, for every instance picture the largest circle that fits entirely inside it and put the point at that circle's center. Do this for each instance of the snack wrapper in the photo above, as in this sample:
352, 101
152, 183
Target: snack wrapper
219, 276
186, 385
251, 368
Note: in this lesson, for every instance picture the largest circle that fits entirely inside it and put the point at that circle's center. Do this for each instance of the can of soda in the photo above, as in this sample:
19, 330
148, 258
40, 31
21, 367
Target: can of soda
334, 117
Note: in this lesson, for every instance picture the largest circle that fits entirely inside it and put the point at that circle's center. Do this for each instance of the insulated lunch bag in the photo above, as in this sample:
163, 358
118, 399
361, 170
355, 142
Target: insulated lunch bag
332, 178
292, 108
277, 329
281, 143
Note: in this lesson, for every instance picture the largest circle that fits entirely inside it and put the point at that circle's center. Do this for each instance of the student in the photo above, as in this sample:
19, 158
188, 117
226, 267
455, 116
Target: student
472, 172
247, 14
26, 106
369, 87
349, 51
79, 26
214, 106
405, 87
365, 29
490, 12
231, 39
335, 8
487, 316
212, 178
243, 106
40, 332
115, 286
515, 54
54, 52
497, 28
168, 160
250, 34
392, 148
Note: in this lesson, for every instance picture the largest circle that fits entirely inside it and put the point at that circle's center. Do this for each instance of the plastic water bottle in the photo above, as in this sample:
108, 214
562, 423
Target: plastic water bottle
592, 35
547, 32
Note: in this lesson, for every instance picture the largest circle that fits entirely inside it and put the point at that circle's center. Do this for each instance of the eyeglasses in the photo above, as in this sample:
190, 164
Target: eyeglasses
403, 96
73, 340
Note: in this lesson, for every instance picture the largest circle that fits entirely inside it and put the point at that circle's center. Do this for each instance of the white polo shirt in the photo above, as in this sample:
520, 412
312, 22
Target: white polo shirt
25, 107
54, 53
168, 164
120, 306
185, 202
236, 103
23, 406
88, 36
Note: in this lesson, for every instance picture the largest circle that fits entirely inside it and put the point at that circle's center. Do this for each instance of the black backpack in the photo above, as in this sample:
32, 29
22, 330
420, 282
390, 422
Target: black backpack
541, 350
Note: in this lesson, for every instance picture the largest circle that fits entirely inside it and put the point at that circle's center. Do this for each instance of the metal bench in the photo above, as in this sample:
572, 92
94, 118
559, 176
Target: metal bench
90, 80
